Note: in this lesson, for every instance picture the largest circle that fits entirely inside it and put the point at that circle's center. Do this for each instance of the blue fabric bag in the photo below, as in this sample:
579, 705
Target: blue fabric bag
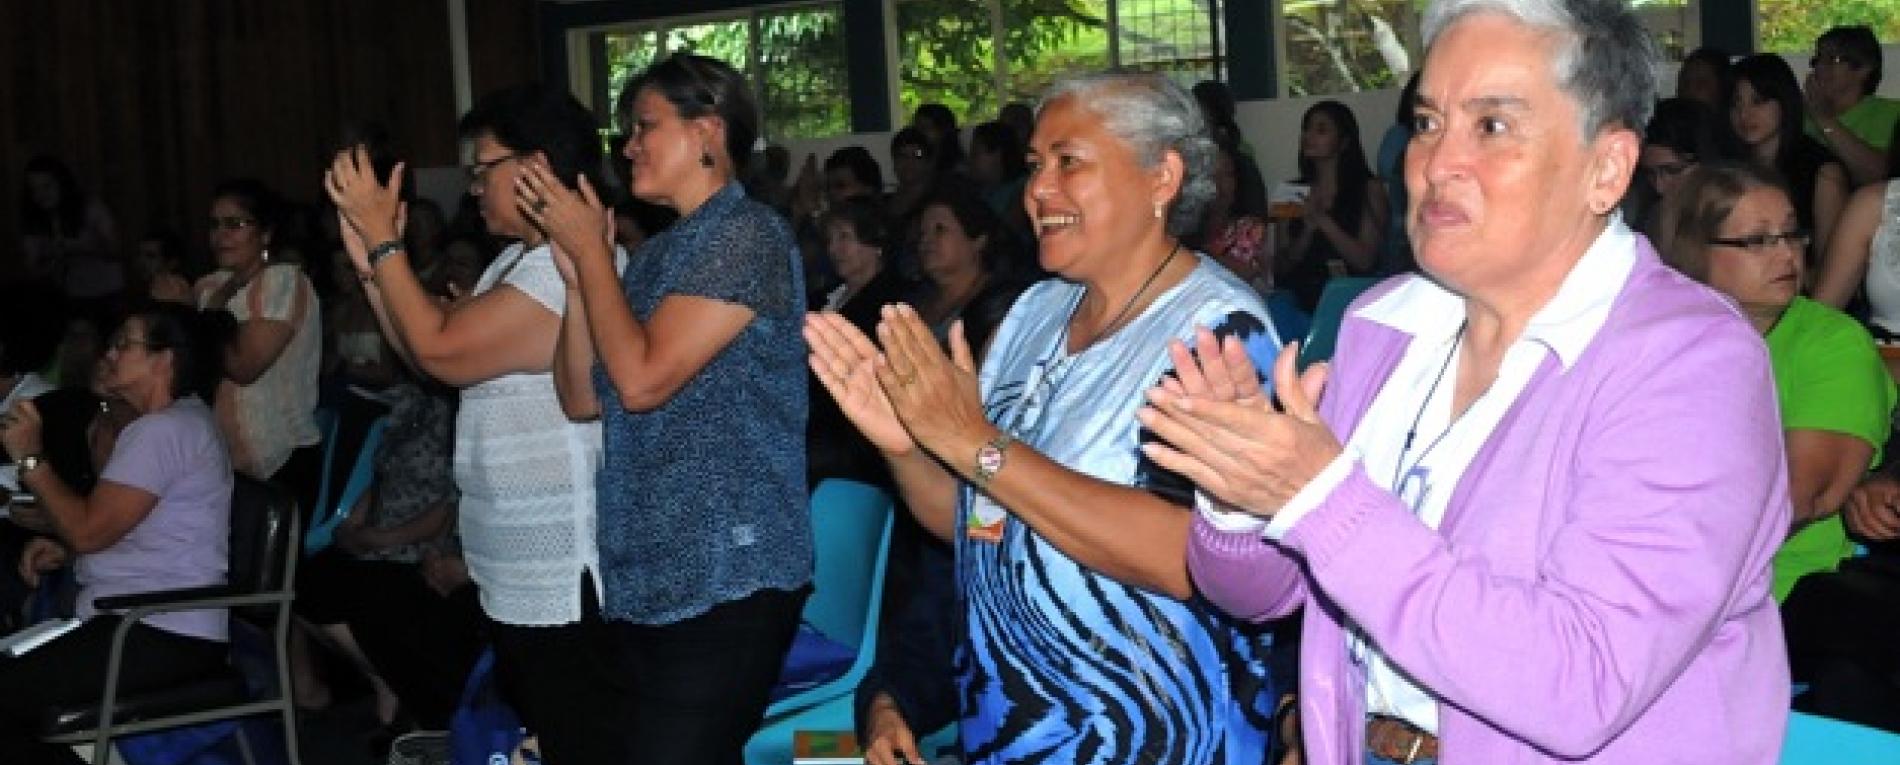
484, 730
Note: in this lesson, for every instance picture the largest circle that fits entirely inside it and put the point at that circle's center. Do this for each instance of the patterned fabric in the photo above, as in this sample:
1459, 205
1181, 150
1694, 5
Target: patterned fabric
1883, 264
274, 415
412, 466
702, 499
526, 474
1061, 664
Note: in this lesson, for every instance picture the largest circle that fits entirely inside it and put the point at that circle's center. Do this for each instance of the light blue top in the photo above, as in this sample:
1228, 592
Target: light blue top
1060, 663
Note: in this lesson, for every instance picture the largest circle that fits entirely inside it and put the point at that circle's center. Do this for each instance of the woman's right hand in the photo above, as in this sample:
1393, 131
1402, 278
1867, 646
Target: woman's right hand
1873, 510
888, 740
367, 206
41, 554
845, 362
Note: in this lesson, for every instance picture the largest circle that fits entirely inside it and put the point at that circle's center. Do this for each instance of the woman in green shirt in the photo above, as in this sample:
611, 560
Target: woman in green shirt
1733, 228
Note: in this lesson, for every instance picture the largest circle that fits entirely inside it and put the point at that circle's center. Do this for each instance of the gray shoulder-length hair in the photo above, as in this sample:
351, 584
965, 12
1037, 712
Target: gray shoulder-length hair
1603, 57
1153, 116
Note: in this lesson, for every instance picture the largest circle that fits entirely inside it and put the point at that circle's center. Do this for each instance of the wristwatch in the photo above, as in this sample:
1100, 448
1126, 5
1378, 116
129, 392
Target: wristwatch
989, 457
29, 463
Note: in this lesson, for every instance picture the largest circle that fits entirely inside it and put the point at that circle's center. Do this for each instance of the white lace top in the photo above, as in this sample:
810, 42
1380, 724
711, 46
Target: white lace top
1883, 264
526, 474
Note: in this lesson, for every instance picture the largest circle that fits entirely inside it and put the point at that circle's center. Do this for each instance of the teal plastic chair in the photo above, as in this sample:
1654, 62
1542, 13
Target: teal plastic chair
851, 534
1814, 740
1339, 293
329, 514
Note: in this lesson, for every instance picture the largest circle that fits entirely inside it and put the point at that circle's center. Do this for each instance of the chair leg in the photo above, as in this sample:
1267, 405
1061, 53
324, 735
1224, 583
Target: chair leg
291, 745
244, 744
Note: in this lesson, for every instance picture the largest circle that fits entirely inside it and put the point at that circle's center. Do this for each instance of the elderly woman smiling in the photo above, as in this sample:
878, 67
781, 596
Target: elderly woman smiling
1547, 535
1082, 643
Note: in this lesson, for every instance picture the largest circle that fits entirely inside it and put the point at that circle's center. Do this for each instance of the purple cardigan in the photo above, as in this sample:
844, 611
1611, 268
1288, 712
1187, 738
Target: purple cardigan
1599, 589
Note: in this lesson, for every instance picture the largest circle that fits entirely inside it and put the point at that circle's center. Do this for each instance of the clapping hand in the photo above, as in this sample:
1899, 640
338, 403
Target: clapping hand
366, 206
1247, 453
845, 362
577, 222
935, 395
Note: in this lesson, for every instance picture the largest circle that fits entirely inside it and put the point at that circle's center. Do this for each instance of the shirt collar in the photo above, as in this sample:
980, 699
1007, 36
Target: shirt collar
1428, 311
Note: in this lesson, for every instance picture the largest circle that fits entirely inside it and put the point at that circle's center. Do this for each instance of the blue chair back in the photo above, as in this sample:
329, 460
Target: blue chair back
851, 535
1814, 740
1340, 292
362, 475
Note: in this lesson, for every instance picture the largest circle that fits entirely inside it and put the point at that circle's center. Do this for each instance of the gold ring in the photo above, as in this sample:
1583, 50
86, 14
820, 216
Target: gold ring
906, 380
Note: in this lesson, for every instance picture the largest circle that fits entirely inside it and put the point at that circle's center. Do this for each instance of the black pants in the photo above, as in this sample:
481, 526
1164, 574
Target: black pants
561, 681
699, 687
72, 670
302, 476
1842, 630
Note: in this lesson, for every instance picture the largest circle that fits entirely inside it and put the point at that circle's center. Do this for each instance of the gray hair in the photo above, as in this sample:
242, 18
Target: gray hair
1152, 115
1605, 59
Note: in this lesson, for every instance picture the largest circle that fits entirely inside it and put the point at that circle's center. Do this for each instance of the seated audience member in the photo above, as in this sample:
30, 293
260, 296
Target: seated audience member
354, 350
1395, 250
857, 236
1841, 625
1733, 228
158, 519
1680, 137
1232, 234
1571, 561
1080, 638
1843, 111
998, 169
970, 264
377, 593
68, 239
939, 126
849, 173
1865, 253
1704, 78
1766, 111
159, 265
1344, 214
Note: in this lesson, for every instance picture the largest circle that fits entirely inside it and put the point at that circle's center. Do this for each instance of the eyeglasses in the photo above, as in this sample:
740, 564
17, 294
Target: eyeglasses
1832, 58
121, 343
479, 171
231, 222
1761, 243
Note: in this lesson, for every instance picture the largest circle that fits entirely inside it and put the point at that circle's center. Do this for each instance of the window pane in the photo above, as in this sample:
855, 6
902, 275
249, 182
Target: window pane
1676, 25
1335, 48
728, 41
1175, 36
628, 53
946, 55
1048, 39
802, 57
1792, 25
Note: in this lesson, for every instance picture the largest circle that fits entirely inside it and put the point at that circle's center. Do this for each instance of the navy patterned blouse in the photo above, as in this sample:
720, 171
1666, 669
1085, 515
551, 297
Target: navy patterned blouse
702, 500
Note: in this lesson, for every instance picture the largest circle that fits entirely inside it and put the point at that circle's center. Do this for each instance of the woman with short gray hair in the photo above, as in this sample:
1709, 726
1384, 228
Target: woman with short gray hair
1546, 535
1083, 642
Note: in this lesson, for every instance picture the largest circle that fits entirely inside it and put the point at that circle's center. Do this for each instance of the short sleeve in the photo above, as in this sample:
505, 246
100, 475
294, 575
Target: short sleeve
273, 296
536, 276
150, 455
745, 260
1843, 386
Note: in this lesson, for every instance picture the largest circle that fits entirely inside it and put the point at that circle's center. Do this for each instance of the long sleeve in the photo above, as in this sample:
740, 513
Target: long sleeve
1243, 574
1657, 529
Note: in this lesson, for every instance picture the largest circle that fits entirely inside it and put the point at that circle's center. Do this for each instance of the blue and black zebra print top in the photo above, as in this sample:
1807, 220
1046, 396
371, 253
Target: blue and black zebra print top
1059, 663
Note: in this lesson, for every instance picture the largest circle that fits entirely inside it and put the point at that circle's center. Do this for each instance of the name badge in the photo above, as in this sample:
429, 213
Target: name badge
986, 519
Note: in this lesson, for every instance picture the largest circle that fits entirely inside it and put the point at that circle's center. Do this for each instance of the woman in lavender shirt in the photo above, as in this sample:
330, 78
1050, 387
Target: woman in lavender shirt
1546, 535
158, 519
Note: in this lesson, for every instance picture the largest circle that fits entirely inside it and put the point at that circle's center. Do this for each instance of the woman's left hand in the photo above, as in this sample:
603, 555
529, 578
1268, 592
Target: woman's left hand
578, 223
22, 430
934, 395
1246, 454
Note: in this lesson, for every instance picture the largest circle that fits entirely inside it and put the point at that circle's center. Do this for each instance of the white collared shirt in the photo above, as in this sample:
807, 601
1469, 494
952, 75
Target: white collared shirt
1420, 391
